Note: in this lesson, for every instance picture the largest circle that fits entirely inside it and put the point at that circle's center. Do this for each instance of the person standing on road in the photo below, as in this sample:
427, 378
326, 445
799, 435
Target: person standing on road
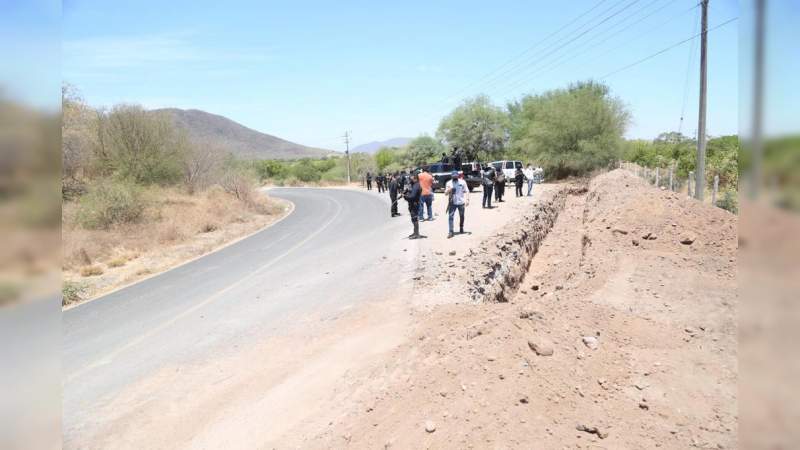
369, 181
528, 172
426, 199
412, 195
519, 178
499, 185
393, 194
488, 184
379, 182
457, 192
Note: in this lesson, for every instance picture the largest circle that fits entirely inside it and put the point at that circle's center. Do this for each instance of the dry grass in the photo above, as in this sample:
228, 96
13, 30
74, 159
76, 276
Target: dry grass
117, 262
173, 217
91, 271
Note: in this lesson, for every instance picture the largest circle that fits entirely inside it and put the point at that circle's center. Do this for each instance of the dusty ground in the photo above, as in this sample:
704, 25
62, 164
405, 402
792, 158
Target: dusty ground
613, 270
177, 228
434, 367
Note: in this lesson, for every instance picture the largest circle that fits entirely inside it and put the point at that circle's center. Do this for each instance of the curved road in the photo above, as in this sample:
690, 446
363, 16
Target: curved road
329, 253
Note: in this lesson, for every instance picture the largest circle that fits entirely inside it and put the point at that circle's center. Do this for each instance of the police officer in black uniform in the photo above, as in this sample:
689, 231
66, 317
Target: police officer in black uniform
412, 195
393, 194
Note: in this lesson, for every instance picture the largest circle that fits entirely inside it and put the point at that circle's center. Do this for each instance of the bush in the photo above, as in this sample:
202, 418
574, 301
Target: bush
109, 203
305, 171
72, 292
729, 202
270, 170
90, 271
140, 145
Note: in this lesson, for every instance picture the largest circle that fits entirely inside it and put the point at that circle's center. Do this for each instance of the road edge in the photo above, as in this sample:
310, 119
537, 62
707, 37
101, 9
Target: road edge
288, 212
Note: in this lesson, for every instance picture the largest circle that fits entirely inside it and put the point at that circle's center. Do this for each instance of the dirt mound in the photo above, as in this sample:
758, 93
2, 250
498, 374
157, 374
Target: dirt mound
622, 334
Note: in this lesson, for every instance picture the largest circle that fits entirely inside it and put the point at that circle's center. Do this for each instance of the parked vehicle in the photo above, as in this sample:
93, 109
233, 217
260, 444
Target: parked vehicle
473, 173
509, 168
441, 173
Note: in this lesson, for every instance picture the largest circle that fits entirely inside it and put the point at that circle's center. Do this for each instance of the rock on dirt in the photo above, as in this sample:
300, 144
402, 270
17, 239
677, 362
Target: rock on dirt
540, 347
592, 430
591, 342
430, 426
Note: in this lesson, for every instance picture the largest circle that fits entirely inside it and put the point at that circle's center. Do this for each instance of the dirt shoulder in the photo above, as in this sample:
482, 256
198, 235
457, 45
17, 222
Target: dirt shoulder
622, 334
177, 228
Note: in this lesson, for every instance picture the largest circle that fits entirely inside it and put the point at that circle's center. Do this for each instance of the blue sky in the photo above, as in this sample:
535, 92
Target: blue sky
307, 71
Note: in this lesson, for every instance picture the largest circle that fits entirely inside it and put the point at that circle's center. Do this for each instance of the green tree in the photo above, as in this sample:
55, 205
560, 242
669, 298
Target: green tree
384, 157
569, 131
424, 149
722, 155
140, 145
476, 127
270, 169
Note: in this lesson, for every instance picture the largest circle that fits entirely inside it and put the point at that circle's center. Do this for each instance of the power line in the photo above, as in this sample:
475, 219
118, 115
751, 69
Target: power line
665, 50
561, 61
526, 51
578, 36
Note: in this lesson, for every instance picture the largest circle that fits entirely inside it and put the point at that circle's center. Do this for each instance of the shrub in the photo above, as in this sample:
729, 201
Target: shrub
110, 202
306, 171
270, 169
729, 202
117, 262
239, 180
90, 271
72, 292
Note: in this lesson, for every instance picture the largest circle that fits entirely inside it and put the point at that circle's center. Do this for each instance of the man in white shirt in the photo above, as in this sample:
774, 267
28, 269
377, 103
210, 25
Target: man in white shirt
457, 193
528, 172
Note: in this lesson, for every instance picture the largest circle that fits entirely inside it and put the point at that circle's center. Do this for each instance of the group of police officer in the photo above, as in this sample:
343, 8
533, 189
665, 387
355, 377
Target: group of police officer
416, 188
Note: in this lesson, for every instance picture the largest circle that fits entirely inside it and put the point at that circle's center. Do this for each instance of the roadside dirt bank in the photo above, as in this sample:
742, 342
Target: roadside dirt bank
187, 228
621, 335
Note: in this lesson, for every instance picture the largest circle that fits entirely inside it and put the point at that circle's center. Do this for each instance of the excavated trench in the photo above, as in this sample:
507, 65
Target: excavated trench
501, 272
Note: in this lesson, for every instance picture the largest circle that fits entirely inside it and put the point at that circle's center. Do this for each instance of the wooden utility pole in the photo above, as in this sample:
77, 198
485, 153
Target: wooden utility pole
700, 169
347, 152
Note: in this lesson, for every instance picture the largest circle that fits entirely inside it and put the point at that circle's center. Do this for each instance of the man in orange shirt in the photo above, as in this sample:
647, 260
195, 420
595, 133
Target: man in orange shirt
426, 183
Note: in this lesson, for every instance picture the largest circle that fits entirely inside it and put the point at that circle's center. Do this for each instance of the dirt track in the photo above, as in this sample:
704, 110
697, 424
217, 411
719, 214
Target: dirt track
613, 270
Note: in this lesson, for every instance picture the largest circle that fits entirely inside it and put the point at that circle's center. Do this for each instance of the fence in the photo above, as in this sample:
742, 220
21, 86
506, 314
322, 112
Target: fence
667, 178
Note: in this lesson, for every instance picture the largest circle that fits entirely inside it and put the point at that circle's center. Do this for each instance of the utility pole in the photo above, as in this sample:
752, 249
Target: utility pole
758, 100
347, 152
700, 169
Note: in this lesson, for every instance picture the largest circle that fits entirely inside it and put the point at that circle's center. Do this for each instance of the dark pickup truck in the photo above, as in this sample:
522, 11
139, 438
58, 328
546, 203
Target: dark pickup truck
442, 172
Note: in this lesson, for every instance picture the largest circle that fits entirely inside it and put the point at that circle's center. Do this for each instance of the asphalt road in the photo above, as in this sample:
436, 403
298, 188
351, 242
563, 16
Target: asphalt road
327, 254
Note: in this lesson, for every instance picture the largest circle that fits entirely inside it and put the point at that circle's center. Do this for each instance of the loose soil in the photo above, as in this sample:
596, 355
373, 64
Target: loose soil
634, 293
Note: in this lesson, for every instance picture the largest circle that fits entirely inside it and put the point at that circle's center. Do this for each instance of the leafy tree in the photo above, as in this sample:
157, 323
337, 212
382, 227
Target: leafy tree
384, 157
476, 127
423, 150
140, 145
722, 158
305, 170
569, 131
78, 133
270, 169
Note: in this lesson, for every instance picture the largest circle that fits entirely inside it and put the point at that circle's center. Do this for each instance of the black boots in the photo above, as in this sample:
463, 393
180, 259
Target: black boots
415, 234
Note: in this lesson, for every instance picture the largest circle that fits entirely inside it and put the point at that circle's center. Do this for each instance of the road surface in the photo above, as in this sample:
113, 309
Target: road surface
328, 254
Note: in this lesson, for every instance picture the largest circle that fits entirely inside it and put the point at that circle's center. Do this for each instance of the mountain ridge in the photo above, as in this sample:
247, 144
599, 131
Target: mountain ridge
241, 141
374, 146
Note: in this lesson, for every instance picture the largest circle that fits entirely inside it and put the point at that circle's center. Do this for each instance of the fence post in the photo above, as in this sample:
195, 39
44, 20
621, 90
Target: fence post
671, 174
714, 192
658, 175
689, 183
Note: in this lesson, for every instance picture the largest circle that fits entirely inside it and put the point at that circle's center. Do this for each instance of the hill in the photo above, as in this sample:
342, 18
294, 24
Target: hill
372, 147
238, 139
